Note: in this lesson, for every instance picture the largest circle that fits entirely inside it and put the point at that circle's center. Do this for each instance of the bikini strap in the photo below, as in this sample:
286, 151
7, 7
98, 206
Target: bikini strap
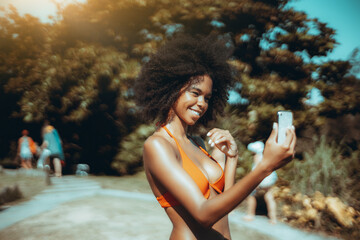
177, 144
167, 130
203, 150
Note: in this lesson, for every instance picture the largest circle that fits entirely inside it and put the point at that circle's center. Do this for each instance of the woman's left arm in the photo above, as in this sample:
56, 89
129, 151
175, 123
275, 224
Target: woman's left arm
225, 152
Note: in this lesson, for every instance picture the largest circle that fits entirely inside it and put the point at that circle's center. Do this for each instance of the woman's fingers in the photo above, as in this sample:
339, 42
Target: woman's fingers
212, 134
217, 139
274, 133
212, 141
293, 142
289, 137
223, 140
280, 154
220, 137
212, 131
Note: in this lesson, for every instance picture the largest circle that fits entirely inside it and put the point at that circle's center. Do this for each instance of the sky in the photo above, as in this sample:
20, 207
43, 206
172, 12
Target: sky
342, 15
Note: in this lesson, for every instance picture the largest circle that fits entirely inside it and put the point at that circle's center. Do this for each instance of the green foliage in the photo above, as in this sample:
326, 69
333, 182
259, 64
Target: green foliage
355, 62
129, 157
324, 170
73, 83
353, 187
79, 70
330, 170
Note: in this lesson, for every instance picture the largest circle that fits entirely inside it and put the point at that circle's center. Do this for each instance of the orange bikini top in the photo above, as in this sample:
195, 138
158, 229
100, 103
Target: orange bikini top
168, 200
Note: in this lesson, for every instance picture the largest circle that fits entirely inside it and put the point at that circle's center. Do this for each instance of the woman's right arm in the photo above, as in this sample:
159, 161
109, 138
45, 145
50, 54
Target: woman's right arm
160, 159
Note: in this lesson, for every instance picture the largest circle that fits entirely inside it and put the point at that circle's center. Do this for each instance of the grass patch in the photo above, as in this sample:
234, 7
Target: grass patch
29, 186
132, 183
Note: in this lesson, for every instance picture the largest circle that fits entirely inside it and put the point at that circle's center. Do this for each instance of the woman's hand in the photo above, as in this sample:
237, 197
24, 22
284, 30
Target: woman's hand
277, 155
223, 140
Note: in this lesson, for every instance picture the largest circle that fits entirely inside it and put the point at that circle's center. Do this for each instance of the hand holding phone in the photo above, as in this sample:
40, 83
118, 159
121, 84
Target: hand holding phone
285, 121
275, 153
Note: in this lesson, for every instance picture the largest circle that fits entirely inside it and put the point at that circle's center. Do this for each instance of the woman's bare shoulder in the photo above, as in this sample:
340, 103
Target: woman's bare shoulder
158, 144
159, 154
156, 140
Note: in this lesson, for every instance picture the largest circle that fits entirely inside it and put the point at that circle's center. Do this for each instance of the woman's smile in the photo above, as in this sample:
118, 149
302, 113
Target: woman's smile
196, 112
194, 100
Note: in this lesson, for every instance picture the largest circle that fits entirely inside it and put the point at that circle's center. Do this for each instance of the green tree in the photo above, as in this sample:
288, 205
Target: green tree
79, 69
22, 39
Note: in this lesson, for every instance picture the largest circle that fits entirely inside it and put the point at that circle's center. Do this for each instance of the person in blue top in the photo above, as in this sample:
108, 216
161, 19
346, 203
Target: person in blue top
26, 149
265, 186
52, 142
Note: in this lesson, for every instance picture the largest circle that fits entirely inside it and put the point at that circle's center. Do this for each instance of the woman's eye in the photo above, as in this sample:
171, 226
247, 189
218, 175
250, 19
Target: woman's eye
195, 93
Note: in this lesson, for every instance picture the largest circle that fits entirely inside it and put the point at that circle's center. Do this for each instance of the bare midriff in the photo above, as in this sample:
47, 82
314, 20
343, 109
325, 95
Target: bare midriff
185, 227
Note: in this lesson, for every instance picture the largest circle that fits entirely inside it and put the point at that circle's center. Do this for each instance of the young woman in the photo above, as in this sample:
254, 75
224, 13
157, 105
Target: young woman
185, 83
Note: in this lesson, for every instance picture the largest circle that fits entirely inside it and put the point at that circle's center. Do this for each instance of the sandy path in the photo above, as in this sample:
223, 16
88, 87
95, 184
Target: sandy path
79, 208
103, 217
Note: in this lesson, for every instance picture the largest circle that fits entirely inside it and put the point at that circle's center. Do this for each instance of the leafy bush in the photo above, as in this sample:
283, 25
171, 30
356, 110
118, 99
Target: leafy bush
9, 194
353, 186
129, 158
328, 170
321, 170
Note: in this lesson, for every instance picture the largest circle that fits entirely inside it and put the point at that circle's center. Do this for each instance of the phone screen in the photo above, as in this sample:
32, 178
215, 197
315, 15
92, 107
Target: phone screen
285, 120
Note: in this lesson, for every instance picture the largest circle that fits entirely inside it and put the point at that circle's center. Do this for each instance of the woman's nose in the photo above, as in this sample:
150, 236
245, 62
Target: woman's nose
201, 101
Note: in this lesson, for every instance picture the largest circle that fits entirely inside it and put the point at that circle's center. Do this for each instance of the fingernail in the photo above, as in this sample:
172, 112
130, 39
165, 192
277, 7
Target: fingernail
291, 128
209, 141
216, 142
208, 134
212, 144
274, 125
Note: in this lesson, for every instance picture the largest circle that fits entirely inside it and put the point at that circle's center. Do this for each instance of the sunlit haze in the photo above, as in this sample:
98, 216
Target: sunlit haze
341, 15
41, 9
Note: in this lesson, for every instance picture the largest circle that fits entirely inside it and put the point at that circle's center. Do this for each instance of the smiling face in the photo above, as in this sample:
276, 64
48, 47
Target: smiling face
193, 100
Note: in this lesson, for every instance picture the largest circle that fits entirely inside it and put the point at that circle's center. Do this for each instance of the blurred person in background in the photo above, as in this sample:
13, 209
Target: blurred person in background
44, 152
26, 149
52, 150
43, 156
264, 188
186, 83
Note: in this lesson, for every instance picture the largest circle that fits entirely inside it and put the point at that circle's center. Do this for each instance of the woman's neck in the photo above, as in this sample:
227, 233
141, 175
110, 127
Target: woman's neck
178, 128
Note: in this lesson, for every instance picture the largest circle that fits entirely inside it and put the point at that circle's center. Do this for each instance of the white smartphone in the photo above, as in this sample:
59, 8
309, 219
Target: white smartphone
285, 120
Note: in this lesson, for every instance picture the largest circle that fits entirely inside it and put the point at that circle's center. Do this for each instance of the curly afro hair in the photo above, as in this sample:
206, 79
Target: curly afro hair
178, 63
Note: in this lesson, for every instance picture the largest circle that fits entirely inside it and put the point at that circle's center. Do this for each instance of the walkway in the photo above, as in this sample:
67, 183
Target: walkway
78, 208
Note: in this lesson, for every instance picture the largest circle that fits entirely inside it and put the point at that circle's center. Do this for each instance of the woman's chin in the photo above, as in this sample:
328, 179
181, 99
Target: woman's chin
193, 122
